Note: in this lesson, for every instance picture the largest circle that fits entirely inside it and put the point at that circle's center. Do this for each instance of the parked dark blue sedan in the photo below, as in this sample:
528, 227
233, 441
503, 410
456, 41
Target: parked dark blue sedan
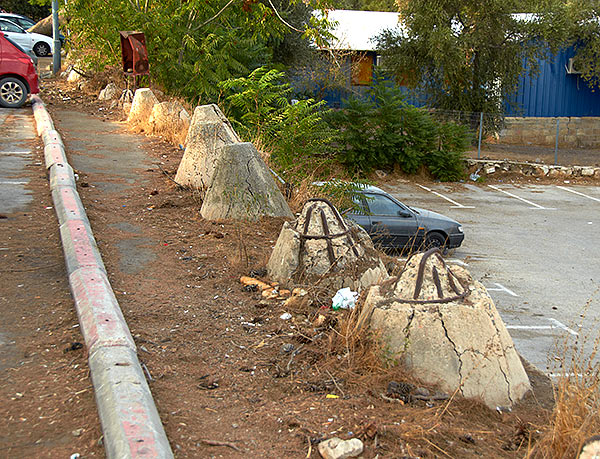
394, 225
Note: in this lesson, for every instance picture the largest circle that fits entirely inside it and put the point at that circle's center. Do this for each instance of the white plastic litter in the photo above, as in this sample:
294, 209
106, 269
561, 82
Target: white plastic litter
344, 299
285, 316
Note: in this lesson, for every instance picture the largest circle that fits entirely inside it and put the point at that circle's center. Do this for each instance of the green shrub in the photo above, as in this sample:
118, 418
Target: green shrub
447, 163
382, 129
296, 136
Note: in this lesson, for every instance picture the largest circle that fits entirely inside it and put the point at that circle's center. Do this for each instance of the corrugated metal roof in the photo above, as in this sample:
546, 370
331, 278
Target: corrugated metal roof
356, 30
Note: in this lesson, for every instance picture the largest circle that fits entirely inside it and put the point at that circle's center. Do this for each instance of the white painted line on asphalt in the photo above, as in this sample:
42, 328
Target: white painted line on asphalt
563, 326
456, 204
577, 192
565, 375
556, 324
15, 152
8, 182
535, 206
456, 261
502, 288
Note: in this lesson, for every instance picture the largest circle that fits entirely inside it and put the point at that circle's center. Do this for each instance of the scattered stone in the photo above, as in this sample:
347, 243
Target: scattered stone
77, 432
110, 92
443, 325
74, 76
208, 133
285, 316
242, 187
320, 246
381, 174
141, 107
336, 448
287, 347
587, 171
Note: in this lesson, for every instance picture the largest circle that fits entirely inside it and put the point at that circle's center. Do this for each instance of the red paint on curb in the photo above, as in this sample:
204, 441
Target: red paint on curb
54, 154
100, 318
82, 243
71, 203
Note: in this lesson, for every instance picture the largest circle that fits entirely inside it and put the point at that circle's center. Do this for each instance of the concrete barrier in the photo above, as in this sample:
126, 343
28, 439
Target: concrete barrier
62, 175
130, 422
54, 153
127, 412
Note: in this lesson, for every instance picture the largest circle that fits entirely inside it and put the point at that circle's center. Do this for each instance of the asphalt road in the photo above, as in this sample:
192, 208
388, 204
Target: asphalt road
17, 128
536, 249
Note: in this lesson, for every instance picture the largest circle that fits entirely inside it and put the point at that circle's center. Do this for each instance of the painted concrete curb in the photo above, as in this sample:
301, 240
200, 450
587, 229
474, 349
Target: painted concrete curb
129, 418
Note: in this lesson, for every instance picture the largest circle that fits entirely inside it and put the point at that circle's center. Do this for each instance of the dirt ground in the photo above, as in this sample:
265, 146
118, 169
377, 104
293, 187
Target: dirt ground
230, 378
47, 406
540, 154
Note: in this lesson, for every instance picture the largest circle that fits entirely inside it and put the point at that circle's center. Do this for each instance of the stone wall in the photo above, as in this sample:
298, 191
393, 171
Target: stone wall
574, 132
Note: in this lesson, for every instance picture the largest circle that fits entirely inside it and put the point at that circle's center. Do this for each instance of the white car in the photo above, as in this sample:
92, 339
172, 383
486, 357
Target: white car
41, 45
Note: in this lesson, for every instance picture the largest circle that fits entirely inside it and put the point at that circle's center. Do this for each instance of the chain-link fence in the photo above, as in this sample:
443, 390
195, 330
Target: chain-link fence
565, 141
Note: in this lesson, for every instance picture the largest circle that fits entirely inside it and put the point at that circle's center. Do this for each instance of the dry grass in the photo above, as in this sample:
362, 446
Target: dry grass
576, 415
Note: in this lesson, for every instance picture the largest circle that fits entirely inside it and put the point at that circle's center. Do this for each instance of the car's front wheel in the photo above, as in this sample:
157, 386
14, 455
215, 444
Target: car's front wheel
13, 92
41, 49
435, 240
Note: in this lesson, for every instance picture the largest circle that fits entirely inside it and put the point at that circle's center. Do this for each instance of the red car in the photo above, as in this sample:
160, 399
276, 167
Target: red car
18, 76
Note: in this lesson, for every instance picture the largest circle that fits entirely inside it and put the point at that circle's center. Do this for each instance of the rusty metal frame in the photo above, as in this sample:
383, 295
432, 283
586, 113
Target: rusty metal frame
327, 236
436, 280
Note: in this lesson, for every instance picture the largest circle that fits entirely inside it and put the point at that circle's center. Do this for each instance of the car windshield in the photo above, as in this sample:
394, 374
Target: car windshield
24, 22
7, 26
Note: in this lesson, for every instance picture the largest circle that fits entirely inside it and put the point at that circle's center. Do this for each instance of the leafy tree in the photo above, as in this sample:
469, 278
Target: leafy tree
467, 54
192, 45
583, 23
35, 10
367, 5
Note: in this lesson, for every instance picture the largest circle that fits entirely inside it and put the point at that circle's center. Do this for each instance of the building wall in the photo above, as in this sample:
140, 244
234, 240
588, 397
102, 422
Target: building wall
554, 92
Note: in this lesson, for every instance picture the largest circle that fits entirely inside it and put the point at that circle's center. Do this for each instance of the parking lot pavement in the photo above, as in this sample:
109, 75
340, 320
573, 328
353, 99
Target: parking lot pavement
535, 247
15, 156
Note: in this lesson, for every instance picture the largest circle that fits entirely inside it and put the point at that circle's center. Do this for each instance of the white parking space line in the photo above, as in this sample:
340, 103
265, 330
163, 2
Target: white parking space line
456, 204
555, 324
9, 182
458, 262
577, 192
501, 288
565, 375
563, 326
535, 206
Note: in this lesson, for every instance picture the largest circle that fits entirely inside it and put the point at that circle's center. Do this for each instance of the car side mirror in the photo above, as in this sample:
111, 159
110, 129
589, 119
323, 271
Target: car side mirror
404, 214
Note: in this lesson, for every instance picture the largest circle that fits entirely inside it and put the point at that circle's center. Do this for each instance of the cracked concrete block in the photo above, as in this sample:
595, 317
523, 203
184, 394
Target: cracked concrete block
209, 130
141, 107
321, 246
442, 325
242, 187
170, 120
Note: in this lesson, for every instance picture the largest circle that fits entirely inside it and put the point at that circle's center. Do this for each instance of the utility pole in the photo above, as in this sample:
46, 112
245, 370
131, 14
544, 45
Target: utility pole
56, 53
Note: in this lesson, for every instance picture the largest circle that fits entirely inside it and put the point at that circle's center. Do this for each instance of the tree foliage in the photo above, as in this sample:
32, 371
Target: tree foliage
294, 133
467, 54
196, 44
383, 130
34, 9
